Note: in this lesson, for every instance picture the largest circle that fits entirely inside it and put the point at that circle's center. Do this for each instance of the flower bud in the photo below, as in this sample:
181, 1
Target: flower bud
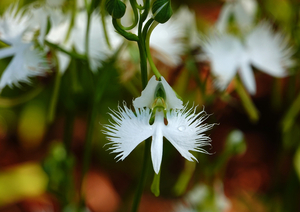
115, 8
162, 10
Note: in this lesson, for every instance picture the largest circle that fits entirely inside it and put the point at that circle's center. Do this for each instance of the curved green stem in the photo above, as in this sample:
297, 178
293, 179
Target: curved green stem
153, 67
135, 13
120, 29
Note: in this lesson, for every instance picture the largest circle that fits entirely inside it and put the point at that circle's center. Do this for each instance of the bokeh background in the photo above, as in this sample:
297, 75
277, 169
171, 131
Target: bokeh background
255, 166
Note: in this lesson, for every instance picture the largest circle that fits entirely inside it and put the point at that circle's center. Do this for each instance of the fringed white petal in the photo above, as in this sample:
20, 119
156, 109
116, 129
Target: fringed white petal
27, 62
224, 53
269, 51
185, 131
127, 130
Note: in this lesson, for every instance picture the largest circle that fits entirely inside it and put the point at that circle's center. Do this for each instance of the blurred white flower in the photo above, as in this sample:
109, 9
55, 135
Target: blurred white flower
262, 48
41, 14
184, 128
205, 198
27, 61
242, 10
168, 39
98, 48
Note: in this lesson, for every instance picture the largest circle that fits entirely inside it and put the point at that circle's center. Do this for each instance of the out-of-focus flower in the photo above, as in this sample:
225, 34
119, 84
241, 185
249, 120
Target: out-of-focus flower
262, 48
184, 128
204, 198
168, 39
42, 13
242, 10
98, 48
27, 61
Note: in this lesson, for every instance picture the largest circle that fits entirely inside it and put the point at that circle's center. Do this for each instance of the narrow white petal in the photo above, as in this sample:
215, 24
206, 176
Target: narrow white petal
185, 131
128, 130
269, 51
247, 77
224, 15
244, 12
147, 97
224, 53
157, 141
7, 52
173, 102
63, 61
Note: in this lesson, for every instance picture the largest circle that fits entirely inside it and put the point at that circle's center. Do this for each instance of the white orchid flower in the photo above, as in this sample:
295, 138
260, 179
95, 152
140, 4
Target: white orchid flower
262, 48
168, 38
98, 48
184, 128
242, 10
27, 61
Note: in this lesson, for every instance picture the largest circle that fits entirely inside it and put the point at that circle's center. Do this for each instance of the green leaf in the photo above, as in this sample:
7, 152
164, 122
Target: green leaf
162, 10
115, 8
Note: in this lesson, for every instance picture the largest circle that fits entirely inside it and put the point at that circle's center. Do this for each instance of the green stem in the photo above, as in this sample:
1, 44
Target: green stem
135, 13
54, 98
142, 180
184, 178
152, 65
101, 85
102, 6
71, 54
74, 9
247, 102
292, 113
87, 48
127, 35
144, 78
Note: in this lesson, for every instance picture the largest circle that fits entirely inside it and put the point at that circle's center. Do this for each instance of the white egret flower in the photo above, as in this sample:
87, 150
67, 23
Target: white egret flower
42, 13
262, 48
98, 48
27, 61
242, 10
184, 128
168, 38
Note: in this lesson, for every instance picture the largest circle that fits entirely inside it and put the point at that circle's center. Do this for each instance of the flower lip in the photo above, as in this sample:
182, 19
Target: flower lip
184, 130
